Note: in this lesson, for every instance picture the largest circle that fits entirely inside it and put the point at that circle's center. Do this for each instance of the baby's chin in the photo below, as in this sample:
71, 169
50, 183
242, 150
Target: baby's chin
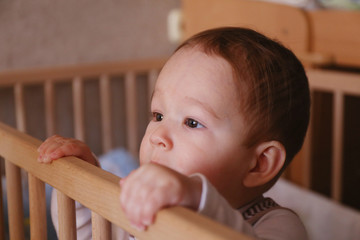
142, 157
142, 161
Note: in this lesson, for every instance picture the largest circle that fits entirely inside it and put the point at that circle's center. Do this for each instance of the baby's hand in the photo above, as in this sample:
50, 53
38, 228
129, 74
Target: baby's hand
56, 147
153, 187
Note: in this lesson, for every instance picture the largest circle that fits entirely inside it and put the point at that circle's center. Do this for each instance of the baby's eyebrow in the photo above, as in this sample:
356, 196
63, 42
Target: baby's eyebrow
204, 105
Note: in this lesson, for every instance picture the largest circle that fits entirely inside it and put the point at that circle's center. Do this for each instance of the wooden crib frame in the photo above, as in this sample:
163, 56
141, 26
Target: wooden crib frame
19, 150
70, 174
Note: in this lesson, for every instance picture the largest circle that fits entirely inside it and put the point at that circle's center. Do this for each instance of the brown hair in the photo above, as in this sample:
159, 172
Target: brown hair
274, 91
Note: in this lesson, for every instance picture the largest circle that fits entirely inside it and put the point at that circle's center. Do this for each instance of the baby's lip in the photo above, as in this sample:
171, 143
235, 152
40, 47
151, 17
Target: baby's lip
158, 161
155, 158
154, 161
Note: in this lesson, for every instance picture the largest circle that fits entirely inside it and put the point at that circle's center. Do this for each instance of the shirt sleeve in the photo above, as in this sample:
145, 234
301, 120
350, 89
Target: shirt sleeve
278, 224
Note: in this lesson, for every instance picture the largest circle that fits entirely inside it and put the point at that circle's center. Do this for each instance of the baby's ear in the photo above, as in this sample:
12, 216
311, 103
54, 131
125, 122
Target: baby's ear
268, 160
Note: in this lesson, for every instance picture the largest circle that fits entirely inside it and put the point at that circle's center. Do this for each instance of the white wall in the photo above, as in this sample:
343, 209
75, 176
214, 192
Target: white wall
40, 33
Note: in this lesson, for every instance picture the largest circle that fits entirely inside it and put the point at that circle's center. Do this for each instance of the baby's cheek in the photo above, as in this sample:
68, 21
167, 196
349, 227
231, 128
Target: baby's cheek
144, 155
142, 159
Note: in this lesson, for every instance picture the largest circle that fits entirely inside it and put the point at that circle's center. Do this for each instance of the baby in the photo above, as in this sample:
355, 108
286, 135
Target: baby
230, 109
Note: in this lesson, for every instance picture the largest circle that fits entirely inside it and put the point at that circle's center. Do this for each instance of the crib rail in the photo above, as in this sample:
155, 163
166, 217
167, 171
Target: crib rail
83, 182
77, 77
59, 73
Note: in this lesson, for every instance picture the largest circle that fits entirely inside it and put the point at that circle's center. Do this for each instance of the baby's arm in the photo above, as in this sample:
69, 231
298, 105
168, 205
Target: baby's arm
56, 147
153, 187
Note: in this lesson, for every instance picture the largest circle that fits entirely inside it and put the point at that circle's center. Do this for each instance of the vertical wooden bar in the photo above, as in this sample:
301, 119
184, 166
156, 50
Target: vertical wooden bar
2, 220
338, 119
105, 101
49, 108
66, 215
101, 228
20, 107
15, 204
13, 174
37, 206
78, 98
307, 151
131, 113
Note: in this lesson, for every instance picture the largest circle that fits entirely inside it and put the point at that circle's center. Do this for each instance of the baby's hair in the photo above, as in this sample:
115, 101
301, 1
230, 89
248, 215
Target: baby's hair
273, 87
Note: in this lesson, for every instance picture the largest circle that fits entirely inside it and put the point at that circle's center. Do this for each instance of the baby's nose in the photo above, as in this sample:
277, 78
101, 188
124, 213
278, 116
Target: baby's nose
161, 138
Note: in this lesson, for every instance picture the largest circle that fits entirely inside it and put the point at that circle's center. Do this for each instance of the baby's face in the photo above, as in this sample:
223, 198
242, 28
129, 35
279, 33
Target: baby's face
197, 125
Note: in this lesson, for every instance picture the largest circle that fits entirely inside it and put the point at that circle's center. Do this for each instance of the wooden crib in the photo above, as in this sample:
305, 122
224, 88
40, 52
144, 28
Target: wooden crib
74, 178
19, 149
106, 106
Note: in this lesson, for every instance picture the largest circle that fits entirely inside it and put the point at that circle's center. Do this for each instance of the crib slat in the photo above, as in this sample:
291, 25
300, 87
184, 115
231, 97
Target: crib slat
105, 102
338, 113
20, 107
37, 206
306, 149
131, 114
78, 98
15, 204
49, 108
66, 215
101, 228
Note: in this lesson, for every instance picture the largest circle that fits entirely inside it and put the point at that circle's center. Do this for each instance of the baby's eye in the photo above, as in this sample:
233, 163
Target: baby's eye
157, 117
193, 123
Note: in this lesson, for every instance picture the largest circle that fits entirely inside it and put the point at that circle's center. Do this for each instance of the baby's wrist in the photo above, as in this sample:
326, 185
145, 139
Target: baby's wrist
195, 192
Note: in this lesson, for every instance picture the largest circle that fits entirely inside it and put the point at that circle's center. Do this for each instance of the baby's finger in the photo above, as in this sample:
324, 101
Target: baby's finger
48, 156
142, 211
133, 213
58, 150
47, 143
51, 145
138, 201
138, 227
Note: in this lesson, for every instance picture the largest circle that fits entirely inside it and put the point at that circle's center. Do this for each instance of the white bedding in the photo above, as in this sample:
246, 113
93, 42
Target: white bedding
323, 218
